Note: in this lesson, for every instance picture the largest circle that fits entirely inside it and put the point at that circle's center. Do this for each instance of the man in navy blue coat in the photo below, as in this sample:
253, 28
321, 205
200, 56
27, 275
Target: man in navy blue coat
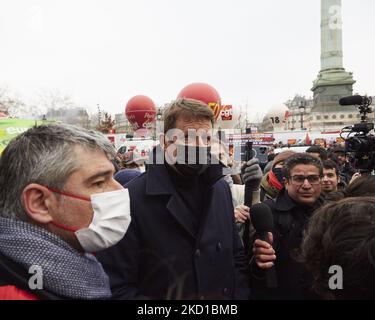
182, 242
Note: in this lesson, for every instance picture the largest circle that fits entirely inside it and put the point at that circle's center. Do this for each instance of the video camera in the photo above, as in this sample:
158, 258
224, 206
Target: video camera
362, 143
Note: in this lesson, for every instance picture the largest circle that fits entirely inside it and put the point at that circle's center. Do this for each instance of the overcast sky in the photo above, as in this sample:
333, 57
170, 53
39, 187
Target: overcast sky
258, 53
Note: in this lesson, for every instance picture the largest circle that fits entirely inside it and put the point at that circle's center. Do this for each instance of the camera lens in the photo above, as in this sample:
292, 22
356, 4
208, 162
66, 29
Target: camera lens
354, 144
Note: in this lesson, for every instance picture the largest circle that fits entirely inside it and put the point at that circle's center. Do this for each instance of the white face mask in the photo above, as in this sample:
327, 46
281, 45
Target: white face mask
110, 221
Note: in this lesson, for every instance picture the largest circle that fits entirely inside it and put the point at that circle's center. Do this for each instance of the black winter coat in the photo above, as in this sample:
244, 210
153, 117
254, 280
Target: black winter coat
161, 257
290, 222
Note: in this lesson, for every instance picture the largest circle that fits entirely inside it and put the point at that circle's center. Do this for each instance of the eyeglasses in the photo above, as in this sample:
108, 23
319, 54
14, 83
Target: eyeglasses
299, 179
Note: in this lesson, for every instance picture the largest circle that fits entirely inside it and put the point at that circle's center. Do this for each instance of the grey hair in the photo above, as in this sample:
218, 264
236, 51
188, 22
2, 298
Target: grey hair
44, 155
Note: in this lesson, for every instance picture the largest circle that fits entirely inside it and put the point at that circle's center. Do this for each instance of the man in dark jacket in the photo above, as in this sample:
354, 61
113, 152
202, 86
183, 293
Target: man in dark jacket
291, 211
182, 242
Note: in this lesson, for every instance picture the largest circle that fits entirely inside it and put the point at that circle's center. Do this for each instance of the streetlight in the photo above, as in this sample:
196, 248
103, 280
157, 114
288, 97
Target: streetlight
293, 121
159, 115
302, 108
158, 127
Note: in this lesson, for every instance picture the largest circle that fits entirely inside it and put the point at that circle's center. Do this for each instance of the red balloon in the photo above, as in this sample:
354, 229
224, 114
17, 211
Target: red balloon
140, 111
205, 93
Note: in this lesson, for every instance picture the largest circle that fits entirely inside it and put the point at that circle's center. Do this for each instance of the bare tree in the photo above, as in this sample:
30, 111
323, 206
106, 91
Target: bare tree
76, 116
55, 100
12, 105
3, 91
61, 107
4, 94
94, 121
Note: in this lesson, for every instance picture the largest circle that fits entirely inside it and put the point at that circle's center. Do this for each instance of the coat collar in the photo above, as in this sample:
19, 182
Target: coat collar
159, 182
285, 203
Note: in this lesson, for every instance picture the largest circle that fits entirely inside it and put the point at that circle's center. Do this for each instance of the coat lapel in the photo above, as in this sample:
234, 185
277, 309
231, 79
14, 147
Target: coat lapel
159, 183
181, 213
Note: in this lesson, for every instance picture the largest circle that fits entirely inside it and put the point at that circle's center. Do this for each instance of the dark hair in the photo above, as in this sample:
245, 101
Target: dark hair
333, 157
323, 154
360, 187
186, 108
301, 158
342, 234
329, 164
270, 157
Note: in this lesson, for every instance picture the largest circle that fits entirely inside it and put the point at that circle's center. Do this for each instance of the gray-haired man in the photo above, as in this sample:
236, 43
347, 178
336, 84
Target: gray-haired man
58, 203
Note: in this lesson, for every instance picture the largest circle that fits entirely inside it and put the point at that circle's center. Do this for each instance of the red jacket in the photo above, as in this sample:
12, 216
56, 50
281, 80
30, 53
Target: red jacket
8, 292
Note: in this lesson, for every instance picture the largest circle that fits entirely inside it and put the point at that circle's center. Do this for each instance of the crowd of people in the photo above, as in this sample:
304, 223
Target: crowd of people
78, 222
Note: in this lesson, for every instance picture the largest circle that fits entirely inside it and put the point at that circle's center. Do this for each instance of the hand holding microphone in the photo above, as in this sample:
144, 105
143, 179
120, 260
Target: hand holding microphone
264, 254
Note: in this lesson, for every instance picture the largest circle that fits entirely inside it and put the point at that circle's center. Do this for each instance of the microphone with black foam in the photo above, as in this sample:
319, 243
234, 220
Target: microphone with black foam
355, 100
262, 220
248, 196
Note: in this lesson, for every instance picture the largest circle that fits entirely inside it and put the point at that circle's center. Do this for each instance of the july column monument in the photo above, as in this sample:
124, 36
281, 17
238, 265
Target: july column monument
332, 82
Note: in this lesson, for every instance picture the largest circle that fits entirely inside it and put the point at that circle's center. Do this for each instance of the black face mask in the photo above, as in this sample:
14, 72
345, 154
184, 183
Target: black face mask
279, 174
192, 160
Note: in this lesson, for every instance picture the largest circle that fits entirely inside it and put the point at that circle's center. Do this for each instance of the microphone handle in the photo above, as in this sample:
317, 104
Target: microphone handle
271, 278
248, 199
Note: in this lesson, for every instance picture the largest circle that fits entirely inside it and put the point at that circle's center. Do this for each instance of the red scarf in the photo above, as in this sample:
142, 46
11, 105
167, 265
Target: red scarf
272, 180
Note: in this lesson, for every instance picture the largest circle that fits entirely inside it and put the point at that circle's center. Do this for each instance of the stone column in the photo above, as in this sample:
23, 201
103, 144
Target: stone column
332, 82
331, 35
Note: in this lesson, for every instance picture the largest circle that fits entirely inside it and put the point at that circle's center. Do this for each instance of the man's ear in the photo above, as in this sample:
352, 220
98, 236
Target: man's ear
37, 201
286, 183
